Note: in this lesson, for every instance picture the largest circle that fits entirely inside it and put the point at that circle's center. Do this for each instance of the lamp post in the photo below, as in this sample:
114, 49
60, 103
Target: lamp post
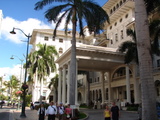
12, 57
23, 115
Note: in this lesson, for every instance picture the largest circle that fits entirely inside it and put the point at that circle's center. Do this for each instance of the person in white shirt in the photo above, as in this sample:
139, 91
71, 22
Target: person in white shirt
61, 111
51, 111
41, 112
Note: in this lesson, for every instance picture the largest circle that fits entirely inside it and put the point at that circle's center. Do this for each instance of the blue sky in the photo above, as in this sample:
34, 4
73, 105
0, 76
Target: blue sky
20, 14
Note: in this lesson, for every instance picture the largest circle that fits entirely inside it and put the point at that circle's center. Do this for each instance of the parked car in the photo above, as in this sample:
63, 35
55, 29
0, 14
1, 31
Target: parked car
37, 103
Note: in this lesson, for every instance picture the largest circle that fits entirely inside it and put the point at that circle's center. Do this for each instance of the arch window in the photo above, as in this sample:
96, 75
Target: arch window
120, 3
106, 93
115, 23
110, 27
114, 8
117, 6
111, 41
120, 72
93, 95
60, 50
126, 16
120, 20
111, 11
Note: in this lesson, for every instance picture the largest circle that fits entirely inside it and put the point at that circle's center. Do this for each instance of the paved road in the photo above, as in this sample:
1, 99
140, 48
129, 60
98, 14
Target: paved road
98, 115
5, 113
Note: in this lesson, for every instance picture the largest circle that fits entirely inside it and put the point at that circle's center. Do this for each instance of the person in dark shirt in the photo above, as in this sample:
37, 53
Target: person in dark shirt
41, 112
114, 112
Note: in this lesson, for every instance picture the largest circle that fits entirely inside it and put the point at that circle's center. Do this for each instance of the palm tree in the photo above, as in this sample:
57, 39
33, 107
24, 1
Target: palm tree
13, 85
154, 33
54, 84
75, 11
145, 62
129, 48
42, 63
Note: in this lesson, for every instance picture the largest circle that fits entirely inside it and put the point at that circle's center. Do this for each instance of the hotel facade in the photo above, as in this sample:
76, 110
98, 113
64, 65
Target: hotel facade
109, 79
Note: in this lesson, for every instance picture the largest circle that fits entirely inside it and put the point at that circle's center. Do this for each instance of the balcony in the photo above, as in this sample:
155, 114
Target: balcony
116, 9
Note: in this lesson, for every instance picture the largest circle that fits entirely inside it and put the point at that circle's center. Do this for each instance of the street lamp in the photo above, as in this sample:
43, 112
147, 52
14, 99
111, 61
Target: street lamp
23, 115
12, 57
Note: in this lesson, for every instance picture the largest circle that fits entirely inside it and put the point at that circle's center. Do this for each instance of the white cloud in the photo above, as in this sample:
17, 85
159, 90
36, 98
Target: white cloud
27, 26
6, 72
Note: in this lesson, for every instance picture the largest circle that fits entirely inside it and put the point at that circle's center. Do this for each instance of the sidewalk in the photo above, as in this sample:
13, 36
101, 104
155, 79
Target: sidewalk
30, 114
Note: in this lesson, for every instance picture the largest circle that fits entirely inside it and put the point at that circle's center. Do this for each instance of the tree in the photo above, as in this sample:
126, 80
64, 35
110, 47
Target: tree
13, 85
54, 83
145, 62
129, 48
42, 63
75, 11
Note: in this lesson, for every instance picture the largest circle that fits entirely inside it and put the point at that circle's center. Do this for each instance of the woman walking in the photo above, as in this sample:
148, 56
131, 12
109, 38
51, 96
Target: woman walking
107, 113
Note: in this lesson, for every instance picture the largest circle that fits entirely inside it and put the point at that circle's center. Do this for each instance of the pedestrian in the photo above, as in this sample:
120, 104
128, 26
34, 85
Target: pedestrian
51, 111
68, 112
32, 106
2, 102
41, 112
107, 113
61, 110
114, 112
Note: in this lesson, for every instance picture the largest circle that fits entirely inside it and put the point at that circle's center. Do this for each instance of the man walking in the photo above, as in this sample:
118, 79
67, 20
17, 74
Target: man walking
114, 111
51, 111
61, 111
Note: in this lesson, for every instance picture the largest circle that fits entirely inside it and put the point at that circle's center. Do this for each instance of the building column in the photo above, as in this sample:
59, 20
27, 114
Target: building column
128, 85
60, 86
109, 88
64, 86
103, 88
68, 82
136, 86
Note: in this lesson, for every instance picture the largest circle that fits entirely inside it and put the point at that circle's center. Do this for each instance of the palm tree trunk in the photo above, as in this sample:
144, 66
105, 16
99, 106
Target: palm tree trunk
145, 62
73, 62
41, 90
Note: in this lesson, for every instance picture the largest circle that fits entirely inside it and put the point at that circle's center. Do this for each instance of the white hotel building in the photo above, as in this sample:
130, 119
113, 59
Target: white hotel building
110, 78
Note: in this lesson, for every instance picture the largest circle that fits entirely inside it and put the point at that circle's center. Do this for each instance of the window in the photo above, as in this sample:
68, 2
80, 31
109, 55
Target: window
121, 34
98, 79
120, 20
110, 27
126, 16
115, 24
111, 41
114, 8
60, 50
116, 37
61, 40
117, 6
46, 38
158, 63
120, 3
111, 11
53, 39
